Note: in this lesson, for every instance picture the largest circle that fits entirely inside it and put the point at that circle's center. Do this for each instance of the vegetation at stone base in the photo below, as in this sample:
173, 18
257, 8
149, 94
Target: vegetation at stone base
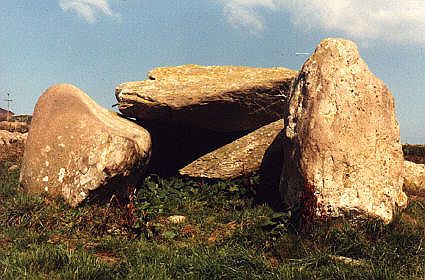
227, 234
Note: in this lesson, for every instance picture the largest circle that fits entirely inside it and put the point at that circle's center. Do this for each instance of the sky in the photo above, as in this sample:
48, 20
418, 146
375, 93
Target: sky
98, 44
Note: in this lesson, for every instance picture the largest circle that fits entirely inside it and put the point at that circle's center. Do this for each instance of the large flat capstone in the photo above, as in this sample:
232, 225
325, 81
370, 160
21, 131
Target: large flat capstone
220, 98
78, 150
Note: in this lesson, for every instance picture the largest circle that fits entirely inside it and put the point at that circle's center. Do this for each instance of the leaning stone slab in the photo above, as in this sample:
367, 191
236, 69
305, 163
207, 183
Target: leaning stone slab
78, 150
239, 158
414, 176
220, 98
343, 155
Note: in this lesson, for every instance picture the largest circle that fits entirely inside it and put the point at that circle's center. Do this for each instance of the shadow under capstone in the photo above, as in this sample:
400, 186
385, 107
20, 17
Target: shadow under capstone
176, 145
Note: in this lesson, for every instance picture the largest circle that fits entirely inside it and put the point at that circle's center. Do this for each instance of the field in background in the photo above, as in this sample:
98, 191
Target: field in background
230, 232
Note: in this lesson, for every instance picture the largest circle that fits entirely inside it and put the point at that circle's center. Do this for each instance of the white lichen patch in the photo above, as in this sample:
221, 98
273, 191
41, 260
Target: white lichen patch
85, 179
61, 145
84, 170
45, 179
46, 163
46, 189
176, 219
46, 149
61, 175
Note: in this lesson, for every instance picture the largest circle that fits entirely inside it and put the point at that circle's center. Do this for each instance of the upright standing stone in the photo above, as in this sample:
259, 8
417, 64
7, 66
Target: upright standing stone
343, 153
77, 149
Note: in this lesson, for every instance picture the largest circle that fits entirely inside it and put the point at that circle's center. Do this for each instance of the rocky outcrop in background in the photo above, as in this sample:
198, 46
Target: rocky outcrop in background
414, 176
12, 146
13, 134
14, 126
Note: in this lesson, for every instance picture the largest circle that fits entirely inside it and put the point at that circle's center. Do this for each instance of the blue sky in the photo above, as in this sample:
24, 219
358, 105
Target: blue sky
97, 44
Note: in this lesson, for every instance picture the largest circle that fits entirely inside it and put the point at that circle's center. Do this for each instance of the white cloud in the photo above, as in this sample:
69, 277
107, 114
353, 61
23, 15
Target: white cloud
242, 13
239, 17
398, 20
88, 9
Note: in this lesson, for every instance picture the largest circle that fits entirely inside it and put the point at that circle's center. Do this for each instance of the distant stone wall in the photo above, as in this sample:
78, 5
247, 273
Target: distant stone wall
21, 127
415, 153
21, 118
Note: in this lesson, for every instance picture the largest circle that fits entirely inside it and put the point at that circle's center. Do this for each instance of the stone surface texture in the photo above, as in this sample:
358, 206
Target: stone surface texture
239, 158
414, 176
77, 149
343, 155
220, 98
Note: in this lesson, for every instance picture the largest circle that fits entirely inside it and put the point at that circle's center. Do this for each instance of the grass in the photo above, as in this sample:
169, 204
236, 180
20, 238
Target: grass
227, 234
